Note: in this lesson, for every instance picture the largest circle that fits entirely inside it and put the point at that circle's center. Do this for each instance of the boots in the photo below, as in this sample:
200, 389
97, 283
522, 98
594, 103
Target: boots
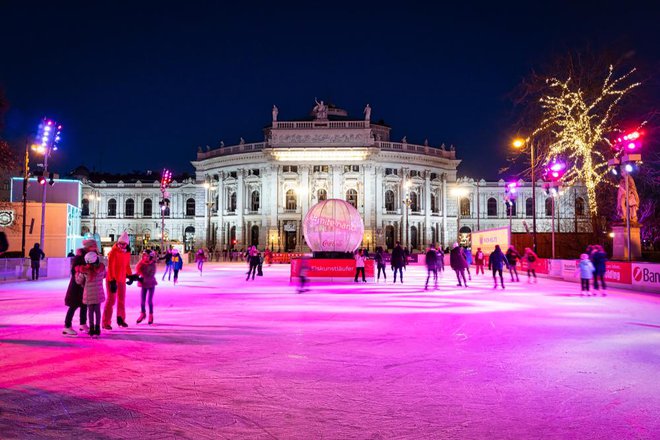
141, 317
151, 318
121, 322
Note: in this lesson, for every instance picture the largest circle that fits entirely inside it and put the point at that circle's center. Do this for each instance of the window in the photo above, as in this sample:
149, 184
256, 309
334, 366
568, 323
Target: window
391, 171
320, 168
290, 168
511, 208
548, 207
413, 237
291, 202
254, 172
112, 208
579, 206
190, 207
189, 238
414, 204
322, 195
352, 197
389, 200
147, 207
129, 208
254, 201
414, 173
254, 235
492, 207
233, 174
351, 168
465, 207
434, 204
232, 202
85, 207
529, 207
433, 177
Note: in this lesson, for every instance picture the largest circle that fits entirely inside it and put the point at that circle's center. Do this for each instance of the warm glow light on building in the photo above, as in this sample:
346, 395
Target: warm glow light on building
321, 154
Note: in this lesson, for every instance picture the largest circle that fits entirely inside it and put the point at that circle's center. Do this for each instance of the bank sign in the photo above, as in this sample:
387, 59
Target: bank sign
646, 275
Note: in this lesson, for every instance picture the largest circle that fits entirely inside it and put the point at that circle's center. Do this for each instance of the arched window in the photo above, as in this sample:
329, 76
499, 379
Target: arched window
492, 207
165, 208
232, 237
434, 203
189, 238
413, 237
389, 201
85, 207
529, 207
112, 208
414, 204
129, 208
254, 235
322, 195
190, 207
352, 197
579, 206
511, 208
254, 201
465, 207
291, 202
147, 208
232, 202
389, 237
548, 207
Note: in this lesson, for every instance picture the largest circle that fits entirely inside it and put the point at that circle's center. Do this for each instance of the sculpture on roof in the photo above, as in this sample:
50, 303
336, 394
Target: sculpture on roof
275, 112
321, 110
241, 142
367, 113
222, 144
404, 140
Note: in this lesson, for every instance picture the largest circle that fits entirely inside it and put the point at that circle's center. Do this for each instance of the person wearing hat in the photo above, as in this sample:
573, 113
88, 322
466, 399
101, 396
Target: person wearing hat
177, 264
146, 269
119, 268
458, 262
91, 277
74, 293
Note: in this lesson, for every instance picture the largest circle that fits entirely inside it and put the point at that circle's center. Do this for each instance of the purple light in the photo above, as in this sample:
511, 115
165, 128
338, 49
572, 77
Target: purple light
557, 166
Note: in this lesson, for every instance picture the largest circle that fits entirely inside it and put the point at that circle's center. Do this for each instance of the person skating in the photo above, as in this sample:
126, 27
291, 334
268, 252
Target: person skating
74, 292
458, 263
168, 265
512, 257
36, 255
479, 261
599, 260
431, 266
441, 260
119, 268
531, 258
200, 258
397, 261
468, 257
496, 262
90, 276
146, 269
359, 265
177, 264
380, 264
253, 260
586, 269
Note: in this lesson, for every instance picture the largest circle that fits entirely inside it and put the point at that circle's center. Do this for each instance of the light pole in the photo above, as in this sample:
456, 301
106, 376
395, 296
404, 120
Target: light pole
26, 176
510, 198
165, 180
207, 186
49, 136
553, 174
458, 192
407, 202
520, 143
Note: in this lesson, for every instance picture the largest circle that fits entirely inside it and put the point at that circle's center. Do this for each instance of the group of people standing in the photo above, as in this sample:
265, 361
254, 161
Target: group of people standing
592, 266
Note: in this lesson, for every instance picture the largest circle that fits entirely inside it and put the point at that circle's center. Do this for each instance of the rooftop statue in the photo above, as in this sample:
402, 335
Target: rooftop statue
367, 113
321, 110
275, 112
242, 141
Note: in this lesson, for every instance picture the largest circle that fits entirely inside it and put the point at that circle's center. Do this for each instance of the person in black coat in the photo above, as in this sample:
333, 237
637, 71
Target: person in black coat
431, 266
36, 255
458, 262
398, 261
496, 262
599, 258
74, 293
380, 263
512, 257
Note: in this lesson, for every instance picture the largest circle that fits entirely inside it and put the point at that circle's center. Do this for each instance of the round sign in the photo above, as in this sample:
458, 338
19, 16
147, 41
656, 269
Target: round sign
333, 225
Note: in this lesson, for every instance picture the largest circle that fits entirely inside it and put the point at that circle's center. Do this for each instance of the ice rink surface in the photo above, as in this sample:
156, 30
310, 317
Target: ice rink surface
229, 359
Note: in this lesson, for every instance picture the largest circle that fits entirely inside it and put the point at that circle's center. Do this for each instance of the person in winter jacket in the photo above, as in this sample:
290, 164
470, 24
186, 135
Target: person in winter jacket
177, 264
74, 292
146, 269
512, 257
200, 258
431, 266
359, 265
496, 262
91, 277
531, 258
36, 255
586, 269
458, 262
253, 259
479, 260
380, 263
397, 261
468, 257
119, 268
598, 259
168, 265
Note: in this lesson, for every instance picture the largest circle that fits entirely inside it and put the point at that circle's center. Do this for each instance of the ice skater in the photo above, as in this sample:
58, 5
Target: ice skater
586, 269
177, 264
479, 261
36, 255
168, 265
458, 262
530, 257
380, 264
431, 266
303, 276
496, 262
359, 265
398, 261
119, 268
599, 258
253, 260
74, 292
512, 257
91, 277
468, 257
200, 258
146, 269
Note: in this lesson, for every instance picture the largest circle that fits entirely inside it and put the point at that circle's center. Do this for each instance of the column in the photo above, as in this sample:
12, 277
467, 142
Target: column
379, 201
427, 208
444, 210
239, 209
336, 182
220, 203
368, 200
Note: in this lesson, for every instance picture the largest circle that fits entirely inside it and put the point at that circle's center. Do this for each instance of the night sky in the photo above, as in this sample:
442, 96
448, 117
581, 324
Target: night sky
141, 87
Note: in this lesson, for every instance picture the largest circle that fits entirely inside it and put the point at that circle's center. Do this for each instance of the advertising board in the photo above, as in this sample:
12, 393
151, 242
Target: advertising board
486, 239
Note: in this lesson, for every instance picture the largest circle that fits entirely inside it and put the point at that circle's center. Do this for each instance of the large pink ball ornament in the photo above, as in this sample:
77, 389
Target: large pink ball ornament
333, 226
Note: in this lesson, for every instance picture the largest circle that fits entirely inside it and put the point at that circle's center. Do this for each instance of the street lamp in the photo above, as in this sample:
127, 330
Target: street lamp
458, 192
553, 174
165, 180
407, 202
48, 138
520, 143
510, 195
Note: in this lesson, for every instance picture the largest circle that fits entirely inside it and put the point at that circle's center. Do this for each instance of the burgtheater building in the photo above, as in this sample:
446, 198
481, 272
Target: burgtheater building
258, 193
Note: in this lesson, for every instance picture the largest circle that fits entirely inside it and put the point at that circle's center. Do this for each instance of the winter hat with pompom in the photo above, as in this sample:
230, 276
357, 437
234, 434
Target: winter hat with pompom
91, 257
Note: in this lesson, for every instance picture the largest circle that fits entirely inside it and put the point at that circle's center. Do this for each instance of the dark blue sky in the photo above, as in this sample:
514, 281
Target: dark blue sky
140, 87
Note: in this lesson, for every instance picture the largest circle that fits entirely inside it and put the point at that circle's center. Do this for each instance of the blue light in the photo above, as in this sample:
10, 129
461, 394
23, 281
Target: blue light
629, 168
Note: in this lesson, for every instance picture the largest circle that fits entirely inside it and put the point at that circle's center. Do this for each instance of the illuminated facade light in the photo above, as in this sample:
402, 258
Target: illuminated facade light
321, 154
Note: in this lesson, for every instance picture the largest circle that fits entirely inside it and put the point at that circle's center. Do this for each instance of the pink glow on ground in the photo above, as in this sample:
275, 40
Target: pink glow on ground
230, 359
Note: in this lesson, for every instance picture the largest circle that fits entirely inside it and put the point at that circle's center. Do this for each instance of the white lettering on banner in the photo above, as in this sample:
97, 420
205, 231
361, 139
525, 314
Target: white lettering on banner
613, 275
646, 275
